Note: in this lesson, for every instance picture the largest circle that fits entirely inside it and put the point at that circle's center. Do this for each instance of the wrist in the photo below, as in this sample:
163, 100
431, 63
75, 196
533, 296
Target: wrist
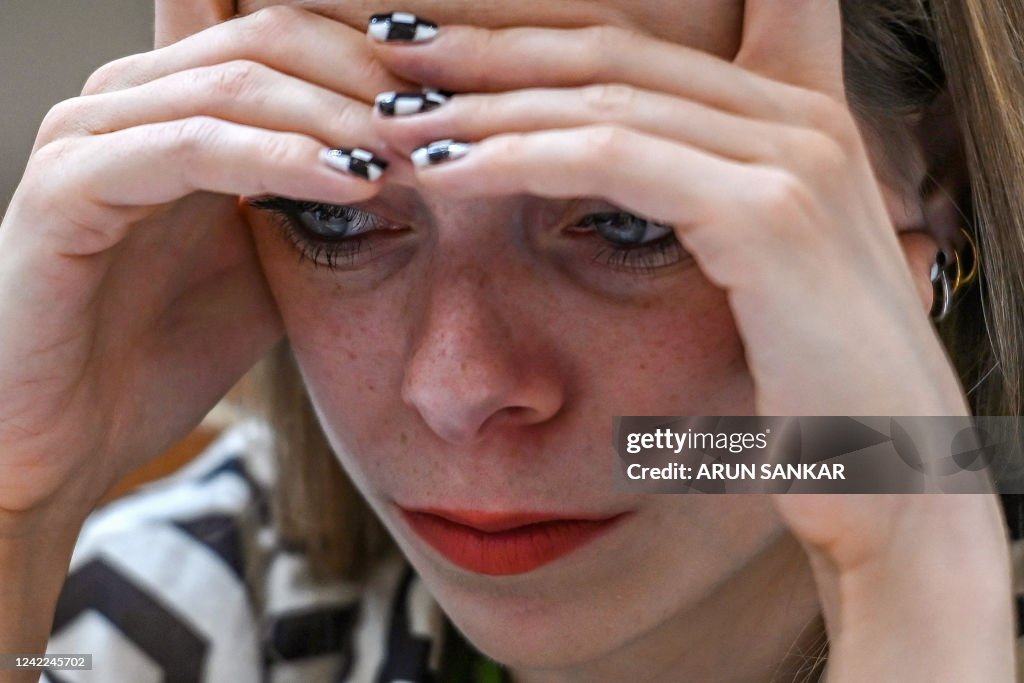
924, 618
35, 552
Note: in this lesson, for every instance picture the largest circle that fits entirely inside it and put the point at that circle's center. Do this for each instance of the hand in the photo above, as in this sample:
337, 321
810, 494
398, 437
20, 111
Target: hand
705, 145
132, 299
760, 165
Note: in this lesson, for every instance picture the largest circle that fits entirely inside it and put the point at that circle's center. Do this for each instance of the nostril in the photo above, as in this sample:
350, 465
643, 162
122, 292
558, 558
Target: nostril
510, 415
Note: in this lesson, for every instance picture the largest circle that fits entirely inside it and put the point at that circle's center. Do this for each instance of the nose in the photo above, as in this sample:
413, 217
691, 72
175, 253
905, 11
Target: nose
478, 363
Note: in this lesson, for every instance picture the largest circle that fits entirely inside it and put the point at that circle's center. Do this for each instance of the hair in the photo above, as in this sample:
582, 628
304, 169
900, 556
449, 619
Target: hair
905, 61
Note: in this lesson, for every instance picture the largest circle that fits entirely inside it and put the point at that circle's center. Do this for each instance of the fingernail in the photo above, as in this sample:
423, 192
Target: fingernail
401, 27
357, 162
406, 103
440, 152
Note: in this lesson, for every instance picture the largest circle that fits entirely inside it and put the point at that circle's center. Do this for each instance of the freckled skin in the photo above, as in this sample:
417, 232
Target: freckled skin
496, 392
484, 372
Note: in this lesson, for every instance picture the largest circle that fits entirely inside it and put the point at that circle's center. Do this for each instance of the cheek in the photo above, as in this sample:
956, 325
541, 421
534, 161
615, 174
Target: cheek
344, 344
678, 354
352, 365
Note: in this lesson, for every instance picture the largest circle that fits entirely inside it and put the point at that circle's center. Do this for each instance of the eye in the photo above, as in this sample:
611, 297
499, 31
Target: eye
332, 222
327, 234
631, 243
625, 229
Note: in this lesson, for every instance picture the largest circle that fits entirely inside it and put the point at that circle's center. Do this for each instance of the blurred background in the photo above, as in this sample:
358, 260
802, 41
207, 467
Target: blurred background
47, 50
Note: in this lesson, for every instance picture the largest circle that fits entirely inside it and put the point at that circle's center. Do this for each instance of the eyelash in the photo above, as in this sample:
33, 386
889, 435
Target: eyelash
644, 259
336, 254
341, 253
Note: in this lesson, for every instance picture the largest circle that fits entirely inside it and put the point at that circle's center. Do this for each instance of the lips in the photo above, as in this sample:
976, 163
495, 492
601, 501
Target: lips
503, 544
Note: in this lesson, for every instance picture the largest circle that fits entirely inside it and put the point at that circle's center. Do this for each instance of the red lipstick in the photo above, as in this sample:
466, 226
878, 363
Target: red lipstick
502, 544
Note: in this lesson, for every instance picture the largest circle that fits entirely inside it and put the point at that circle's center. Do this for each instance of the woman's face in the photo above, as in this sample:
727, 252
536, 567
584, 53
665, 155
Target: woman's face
475, 362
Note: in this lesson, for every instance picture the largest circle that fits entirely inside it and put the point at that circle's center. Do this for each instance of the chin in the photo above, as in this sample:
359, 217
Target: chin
560, 616
527, 632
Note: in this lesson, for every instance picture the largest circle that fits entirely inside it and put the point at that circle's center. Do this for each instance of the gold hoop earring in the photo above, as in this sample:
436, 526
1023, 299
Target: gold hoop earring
961, 279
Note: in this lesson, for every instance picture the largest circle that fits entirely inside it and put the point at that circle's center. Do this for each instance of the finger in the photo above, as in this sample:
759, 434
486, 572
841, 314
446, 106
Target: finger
469, 59
661, 180
708, 199
176, 19
158, 163
296, 42
242, 92
476, 117
795, 41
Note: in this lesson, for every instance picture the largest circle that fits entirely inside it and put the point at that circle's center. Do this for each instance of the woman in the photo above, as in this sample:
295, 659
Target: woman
635, 208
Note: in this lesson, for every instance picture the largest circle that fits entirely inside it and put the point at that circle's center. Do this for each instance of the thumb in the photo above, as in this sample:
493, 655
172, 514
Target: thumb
177, 19
799, 42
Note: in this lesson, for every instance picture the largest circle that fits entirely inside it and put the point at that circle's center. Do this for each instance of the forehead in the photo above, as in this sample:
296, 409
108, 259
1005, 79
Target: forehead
711, 25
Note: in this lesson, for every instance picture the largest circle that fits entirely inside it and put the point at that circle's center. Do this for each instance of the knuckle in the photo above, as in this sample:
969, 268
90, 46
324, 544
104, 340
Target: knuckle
505, 154
828, 115
846, 132
505, 149
819, 154
64, 118
769, 148
47, 172
106, 78
289, 152
347, 119
476, 55
594, 54
826, 155
462, 112
609, 100
190, 144
781, 197
284, 149
271, 23
366, 69
603, 142
49, 156
232, 80
189, 137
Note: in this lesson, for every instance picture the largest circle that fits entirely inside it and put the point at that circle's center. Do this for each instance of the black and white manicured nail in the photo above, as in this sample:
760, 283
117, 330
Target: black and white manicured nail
406, 103
439, 152
357, 162
403, 27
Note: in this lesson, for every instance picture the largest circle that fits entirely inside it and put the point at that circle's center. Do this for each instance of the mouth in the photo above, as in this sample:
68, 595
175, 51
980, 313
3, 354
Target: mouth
504, 544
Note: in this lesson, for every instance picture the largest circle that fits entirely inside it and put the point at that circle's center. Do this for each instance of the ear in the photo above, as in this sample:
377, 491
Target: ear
920, 249
944, 194
940, 196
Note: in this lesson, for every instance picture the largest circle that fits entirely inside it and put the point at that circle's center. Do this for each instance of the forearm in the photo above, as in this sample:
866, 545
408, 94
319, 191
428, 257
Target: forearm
931, 612
960, 634
34, 558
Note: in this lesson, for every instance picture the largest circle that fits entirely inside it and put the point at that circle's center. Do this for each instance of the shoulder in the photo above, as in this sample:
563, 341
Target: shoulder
186, 580
198, 514
161, 580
